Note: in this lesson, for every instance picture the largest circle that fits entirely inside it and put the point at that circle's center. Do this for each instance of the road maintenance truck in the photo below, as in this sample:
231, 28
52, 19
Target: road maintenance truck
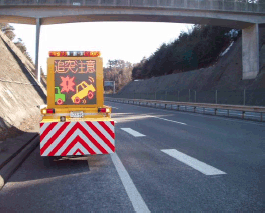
76, 121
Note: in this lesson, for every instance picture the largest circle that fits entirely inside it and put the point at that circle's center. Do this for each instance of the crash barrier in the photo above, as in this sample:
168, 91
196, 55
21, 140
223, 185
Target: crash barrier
244, 112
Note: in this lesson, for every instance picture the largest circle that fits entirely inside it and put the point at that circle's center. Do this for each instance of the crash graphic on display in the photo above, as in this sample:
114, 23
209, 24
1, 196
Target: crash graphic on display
75, 82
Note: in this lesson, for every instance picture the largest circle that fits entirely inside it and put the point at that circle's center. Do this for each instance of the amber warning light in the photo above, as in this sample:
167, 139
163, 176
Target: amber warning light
74, 53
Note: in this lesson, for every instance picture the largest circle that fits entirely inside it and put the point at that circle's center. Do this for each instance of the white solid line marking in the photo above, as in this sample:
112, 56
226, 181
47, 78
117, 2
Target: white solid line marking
114, 107
168, 120
135, 197
192, 162
132, 132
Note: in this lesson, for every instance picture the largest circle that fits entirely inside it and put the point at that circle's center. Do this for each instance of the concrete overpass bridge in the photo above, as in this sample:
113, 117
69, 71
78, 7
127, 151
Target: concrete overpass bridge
247, 15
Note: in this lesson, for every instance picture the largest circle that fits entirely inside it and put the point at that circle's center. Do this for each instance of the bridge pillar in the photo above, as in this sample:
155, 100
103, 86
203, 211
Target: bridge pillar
185, 4
37, 71
250, 51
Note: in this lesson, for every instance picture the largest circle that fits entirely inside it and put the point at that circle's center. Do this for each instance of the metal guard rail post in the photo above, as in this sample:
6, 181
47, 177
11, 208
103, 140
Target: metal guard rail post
243, 109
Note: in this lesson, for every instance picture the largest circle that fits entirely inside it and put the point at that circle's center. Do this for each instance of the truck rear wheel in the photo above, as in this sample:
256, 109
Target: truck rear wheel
48, 161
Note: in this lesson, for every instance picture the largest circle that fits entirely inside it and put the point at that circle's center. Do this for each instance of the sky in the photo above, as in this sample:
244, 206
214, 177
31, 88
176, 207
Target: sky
128, 41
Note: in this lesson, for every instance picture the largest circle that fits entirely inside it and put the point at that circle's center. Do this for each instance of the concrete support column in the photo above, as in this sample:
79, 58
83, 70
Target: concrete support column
185, 4
250, 51
37, 71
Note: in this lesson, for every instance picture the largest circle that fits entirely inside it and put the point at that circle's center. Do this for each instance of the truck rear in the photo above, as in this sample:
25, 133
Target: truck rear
76, 121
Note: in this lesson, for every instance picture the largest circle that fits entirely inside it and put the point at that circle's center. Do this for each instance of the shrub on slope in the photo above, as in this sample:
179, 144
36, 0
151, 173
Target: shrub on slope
193, 50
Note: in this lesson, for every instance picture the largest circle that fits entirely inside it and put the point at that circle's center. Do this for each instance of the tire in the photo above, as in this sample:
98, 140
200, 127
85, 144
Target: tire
48, 161
90, 95
59, 101
77, 100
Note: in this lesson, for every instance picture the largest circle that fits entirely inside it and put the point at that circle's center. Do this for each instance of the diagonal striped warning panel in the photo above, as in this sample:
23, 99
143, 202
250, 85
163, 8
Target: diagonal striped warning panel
75, 138
192, 162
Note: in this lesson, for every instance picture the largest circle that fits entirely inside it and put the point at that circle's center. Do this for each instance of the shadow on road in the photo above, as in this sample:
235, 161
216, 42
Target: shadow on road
42, 169
8, 131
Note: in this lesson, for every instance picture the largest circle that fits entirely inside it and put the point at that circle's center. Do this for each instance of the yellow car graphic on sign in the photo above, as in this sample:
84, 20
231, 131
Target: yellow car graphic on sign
83, 90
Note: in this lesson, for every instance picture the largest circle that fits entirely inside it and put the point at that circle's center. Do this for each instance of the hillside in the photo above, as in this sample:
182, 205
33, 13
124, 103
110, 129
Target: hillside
19, 91
224, 76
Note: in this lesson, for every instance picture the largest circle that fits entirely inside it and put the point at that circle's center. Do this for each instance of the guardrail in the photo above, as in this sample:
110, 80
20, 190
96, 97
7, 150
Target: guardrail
247, 112
254, 6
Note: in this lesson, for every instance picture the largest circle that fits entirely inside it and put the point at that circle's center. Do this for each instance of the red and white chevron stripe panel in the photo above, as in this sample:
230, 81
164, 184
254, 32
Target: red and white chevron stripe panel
77, 138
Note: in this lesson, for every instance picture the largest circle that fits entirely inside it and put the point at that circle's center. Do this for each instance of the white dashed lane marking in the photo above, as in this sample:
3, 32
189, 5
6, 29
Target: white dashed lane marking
133, 132
192, 162
173, 121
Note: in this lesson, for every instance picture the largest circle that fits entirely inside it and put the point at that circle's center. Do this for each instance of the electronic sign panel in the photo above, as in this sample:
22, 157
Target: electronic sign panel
75, 82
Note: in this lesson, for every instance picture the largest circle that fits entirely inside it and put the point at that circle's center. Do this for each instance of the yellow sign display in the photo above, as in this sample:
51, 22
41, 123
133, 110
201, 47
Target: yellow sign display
75, 82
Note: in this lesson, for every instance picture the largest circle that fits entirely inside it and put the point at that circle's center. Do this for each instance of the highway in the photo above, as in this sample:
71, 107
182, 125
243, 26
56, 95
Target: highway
166, 161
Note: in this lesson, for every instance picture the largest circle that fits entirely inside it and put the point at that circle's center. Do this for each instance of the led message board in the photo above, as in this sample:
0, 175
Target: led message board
75, 82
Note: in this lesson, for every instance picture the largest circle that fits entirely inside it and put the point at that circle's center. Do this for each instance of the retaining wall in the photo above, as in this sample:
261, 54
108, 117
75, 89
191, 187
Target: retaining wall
20, 92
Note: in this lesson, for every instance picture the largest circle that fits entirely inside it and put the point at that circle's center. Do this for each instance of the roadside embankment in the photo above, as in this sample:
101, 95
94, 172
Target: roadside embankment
224, 76
20, 92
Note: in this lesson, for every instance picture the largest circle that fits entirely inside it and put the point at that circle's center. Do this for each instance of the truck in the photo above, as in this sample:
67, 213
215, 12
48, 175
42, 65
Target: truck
59, 97
76, 122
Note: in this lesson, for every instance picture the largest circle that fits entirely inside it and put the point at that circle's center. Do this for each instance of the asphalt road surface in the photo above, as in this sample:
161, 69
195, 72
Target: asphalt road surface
166, 161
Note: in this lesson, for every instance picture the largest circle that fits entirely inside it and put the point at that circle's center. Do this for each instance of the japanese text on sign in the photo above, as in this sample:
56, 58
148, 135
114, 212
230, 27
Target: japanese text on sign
75, 66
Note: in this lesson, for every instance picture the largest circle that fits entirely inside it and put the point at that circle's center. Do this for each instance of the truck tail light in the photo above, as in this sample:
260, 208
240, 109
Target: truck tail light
103, 110
50, 111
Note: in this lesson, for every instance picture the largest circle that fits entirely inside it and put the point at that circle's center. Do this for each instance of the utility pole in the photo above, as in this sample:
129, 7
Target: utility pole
37, 71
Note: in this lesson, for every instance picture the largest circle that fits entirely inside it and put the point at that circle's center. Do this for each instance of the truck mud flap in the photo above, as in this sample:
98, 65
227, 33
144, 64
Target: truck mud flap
77, 138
